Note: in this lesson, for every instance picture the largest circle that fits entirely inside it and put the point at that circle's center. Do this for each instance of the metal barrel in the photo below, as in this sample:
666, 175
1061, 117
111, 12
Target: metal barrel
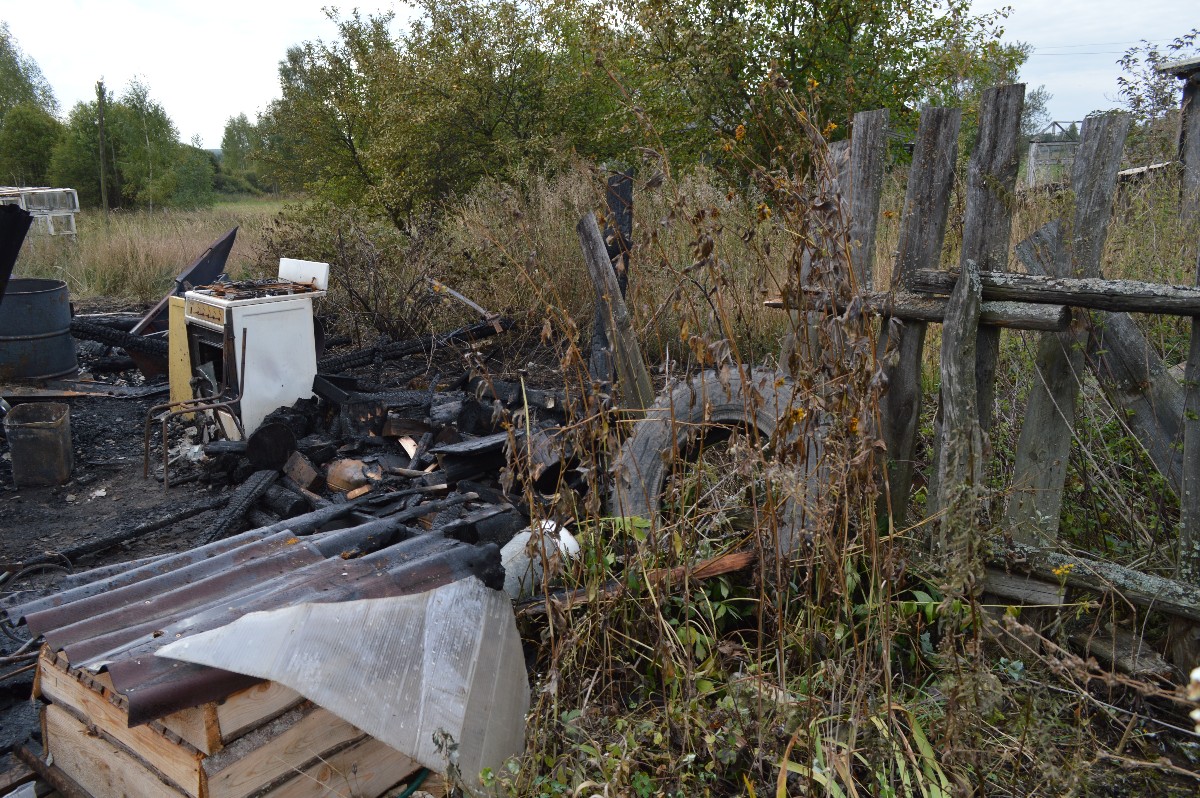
35, 330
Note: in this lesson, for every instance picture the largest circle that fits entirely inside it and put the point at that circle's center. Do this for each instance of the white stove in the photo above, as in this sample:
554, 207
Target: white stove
256, 337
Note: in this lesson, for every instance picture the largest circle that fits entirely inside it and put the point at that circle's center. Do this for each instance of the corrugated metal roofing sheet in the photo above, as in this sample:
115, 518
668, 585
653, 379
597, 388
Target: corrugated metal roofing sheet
118, 621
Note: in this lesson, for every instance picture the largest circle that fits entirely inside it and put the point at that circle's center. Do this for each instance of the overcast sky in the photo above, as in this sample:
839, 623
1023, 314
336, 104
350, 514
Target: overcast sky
208, 60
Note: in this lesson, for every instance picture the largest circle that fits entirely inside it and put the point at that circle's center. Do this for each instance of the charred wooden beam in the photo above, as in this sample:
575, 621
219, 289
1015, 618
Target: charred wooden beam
425, 344
514, 394
63, 784
400, 515
91, 331
242, 501
283, 502
260, 518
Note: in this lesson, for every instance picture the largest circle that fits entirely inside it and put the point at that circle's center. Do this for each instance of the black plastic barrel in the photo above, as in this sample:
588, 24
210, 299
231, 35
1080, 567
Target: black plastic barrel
35, 330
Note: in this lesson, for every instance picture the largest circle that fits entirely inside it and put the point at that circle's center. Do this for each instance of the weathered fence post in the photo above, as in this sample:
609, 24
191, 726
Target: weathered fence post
1189, 494
922, 230
1185, 648
618, 239
859, 167
961, 455
1044, 446
1189, 133
636, 387
991, 178
868, 151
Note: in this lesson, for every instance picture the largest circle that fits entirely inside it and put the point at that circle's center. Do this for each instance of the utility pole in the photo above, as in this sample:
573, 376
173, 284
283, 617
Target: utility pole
100, 122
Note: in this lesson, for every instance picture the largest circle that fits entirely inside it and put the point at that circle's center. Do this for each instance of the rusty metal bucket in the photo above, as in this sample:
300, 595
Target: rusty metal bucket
35, 331
39, 439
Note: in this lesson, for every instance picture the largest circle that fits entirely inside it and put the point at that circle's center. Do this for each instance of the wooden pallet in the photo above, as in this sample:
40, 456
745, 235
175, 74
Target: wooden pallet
266, 740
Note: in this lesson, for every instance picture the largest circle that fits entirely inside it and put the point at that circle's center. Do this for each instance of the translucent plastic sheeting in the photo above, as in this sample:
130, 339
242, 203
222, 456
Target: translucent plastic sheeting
439, 676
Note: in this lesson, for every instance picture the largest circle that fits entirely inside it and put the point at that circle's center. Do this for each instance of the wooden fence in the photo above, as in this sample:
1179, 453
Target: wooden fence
1084, 326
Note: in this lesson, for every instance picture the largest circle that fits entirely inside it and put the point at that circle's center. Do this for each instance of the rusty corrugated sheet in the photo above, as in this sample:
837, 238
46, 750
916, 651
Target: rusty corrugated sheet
118, 621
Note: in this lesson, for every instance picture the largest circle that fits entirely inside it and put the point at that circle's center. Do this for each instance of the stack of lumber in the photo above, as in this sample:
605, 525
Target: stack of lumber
266, 740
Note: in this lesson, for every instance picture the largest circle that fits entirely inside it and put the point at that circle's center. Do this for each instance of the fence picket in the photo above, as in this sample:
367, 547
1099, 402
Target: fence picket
1043, 449
922, 230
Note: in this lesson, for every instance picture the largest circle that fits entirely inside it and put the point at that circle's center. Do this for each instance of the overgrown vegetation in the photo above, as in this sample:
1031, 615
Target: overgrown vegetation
855, 667
135, 255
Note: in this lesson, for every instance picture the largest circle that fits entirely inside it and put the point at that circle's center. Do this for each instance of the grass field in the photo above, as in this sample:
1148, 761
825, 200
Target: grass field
134, 255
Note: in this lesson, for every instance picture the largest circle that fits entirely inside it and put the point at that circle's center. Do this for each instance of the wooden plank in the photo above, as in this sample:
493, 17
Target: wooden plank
1100, 576
914, 307
196, 726
1044, 445
1131, 372
295, 740
922, 230
1125, 296
868, 153
961, 453
179, 363
1124, 651
14, 777
250, 708
1023, 588
104, 769
619, 202
991, 184
1148, 396
634, 380
1185, 648
174, 759
367, 768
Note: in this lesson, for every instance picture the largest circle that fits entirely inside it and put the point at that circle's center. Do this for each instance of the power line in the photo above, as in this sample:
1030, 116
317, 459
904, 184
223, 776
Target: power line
1098, 44
1083, 52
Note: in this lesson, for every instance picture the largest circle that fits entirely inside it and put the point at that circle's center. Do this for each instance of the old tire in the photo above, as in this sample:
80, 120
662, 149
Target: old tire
699, 407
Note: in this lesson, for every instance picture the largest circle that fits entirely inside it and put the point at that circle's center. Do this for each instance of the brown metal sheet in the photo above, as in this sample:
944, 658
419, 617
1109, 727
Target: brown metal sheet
104, 583
119, 620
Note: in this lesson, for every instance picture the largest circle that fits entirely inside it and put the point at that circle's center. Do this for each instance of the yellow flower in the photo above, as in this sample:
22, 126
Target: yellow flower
764, 211
812, 84
828, 131
1063, 570
740, 132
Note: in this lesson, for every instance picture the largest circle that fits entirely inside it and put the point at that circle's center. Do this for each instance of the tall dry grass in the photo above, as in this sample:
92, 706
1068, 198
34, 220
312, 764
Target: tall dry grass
134, 256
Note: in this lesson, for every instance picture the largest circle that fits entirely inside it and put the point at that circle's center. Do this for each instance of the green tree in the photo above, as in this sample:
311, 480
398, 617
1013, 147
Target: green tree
27, 137
75, 160
1152, 96
192, 177
146, 166
21, 79
238, 144
709, 60
147, 148
398, 123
